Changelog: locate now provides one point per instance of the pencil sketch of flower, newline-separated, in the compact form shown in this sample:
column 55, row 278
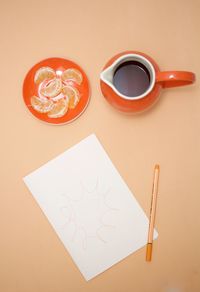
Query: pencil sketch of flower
column 86, row 214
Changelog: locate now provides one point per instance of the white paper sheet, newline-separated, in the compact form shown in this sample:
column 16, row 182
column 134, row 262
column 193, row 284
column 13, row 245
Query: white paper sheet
column 90, row 207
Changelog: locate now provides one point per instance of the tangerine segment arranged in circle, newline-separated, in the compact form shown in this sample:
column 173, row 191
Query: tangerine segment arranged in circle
column 59, row 109
column 72, row 94
column 52, row 88
column 72, row 74
column 41, row 105
column 44, row 73
column 56, row 91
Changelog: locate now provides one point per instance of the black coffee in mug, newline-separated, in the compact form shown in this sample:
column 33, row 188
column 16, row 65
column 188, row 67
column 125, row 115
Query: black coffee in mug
column 131, row 78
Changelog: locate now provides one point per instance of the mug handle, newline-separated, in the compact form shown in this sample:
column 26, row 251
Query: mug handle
column 175, row 78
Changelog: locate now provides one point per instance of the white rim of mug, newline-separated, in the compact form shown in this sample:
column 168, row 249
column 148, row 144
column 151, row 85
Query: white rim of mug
column 131, row 57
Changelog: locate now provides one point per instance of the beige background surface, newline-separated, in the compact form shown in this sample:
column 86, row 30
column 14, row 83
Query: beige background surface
column 90, row 32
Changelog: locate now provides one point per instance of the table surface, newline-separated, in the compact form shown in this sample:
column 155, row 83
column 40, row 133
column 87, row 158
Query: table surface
column 89, row 33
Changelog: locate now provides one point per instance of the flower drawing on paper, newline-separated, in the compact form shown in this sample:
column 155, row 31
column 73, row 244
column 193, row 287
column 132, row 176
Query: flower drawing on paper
column 86, row 215
column 57, row 91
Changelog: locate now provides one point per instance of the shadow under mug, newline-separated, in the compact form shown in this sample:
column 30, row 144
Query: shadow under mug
column 132, row 81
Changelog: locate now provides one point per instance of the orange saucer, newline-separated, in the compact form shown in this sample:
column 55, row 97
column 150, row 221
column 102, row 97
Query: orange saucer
column 56, row 91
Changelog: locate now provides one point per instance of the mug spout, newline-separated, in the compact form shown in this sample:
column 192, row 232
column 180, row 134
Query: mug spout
column 107, row 76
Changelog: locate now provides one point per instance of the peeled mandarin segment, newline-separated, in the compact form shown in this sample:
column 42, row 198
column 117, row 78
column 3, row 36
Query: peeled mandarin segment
column 52, row 89
column 59, row 109
column 73, row 95
column 41, row 106
column 72, row 74
column 44, row 73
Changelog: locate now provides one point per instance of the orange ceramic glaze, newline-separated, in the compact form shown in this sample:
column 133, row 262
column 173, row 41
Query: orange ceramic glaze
column 44, row 91
column 175, row 78
column 159, row 80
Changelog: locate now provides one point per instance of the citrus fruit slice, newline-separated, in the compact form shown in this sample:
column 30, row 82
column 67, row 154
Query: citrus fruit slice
column 44, row 73
column 52, row 88
column 72, row 74
column 59, row 109
column 41, row 106
column 72, row 94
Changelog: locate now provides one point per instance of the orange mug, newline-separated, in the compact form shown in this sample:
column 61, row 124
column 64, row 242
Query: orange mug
column 132, row 81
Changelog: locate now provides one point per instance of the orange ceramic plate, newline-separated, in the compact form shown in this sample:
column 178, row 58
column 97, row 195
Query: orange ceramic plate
column 56, row 91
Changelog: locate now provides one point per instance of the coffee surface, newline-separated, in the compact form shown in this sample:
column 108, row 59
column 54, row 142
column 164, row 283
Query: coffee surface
column 131, row 78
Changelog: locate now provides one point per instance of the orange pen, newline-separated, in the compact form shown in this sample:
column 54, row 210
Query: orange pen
column 152, row 213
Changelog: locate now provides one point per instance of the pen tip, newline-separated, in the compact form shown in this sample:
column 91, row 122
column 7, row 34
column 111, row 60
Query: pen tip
column 157, row 166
